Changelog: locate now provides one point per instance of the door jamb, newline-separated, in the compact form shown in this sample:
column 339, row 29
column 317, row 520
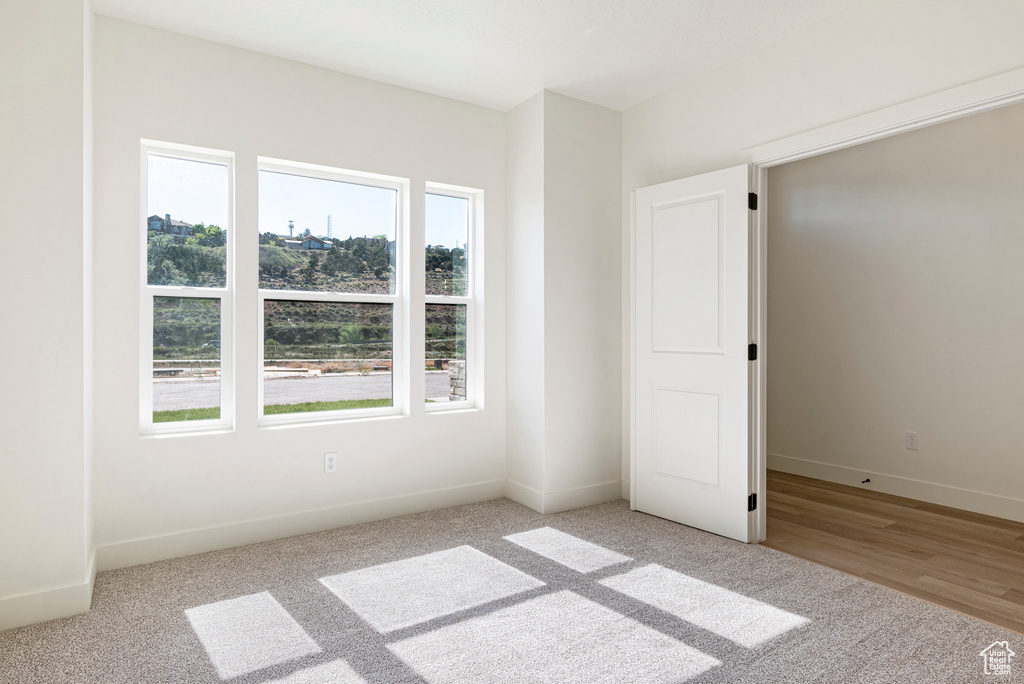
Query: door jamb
column 758, row 371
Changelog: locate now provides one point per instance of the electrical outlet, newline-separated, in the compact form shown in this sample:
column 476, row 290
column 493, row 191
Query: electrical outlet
column 331, row 462
column 913, row 441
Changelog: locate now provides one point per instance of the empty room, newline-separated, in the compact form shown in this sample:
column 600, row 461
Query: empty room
column 359, row 342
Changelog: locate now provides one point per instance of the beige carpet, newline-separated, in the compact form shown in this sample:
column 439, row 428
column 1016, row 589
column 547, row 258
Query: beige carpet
column 494, row 592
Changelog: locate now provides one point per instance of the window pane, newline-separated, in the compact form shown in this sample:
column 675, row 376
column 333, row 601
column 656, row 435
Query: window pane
column 446, row 371
column 186, row 359
column 447, row 236
column 326, row 236
column 326, row 356
column 187, row 224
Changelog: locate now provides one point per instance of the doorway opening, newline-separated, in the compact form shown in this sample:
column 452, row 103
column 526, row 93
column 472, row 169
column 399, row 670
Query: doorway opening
column 893, row 280
column 663, row 459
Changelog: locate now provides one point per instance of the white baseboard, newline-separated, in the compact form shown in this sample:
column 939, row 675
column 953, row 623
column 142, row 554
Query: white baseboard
column 565, row 499
column 152, row 549
column 524, row 495
column 945, row 495
column 625, row 490
column 49, row 604
column 578, row 497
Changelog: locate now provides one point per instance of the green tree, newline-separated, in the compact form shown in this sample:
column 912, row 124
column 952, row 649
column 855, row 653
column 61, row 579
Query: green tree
column 350, row 333
column 308, row 271
column 215, row 237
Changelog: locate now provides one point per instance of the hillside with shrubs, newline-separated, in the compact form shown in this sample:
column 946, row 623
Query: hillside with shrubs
column 188, row 328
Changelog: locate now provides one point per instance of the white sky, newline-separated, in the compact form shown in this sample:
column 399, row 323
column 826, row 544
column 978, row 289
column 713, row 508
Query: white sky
column 193, row 192
column 447, row 220
column 196, row 192
column 356, row 210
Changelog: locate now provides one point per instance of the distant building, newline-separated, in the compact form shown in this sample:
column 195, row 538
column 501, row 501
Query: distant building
column 308, row 242
column 170, row 226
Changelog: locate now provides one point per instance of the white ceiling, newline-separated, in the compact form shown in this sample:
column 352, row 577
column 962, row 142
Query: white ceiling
column 495, row 53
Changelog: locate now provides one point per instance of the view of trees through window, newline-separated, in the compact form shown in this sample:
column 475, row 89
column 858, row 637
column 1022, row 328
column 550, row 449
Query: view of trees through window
column 355, row 264
column 447, row 289
column 327, row 238
column 446, row 258
column 445, row 349
column 186, row 246
column 186, row 359
column 188, row 205
column 328, row 279
column 324, row 356
column 322, row 235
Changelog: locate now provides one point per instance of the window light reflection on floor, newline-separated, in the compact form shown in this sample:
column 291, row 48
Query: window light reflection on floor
column 414, row 590
column 745, row 621
column 565, row 549
column 334, row 672
column 249, row 633
column 554, row 637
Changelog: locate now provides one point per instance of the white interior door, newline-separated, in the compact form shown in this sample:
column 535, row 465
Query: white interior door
column 691, row 376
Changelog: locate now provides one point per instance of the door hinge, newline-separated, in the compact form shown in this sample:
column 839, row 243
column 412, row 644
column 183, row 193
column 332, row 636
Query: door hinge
column 752, row 502
column 752, row 200
column 751, row 352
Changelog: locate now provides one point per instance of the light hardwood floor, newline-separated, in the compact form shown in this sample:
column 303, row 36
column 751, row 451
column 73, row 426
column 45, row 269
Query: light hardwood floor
column 965, row 561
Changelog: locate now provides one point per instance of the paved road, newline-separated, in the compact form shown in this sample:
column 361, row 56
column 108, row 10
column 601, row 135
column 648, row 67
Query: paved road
column 173, row 395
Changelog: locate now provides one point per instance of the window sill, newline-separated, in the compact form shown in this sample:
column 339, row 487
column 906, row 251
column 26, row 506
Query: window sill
column 449, row 408
column 189, row 431
column 326, row 418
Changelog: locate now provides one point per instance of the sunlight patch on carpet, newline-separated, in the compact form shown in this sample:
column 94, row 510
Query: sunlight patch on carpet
column 745, row 621
column 249, row 633
column 334, row 672
column 414, row 590
column 551, row 638
column 572, row 552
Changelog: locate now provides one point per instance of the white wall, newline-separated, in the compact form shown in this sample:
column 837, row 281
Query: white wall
column 168, row 496
column 526, row 348
column 45, row 543
column 895, row 283
column 876, row 54
column 564, row 356
column 582, row 389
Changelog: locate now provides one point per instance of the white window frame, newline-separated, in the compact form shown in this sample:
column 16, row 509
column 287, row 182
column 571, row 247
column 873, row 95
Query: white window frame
column 225, row 294
column 399, row 301
column 473, row 299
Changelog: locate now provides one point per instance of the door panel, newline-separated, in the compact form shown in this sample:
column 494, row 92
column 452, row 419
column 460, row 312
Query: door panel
column 686, row 246
column 686, row 440
column 691, row 296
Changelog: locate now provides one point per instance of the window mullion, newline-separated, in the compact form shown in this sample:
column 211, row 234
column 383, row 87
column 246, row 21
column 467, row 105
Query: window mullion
column 447, row 299
column 341, row 297
column 187, row 292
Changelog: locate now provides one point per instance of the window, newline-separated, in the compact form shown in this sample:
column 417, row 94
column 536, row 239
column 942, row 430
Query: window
column 333, row 298
column 186, row 289
column 330, row 292
column 451, row 298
